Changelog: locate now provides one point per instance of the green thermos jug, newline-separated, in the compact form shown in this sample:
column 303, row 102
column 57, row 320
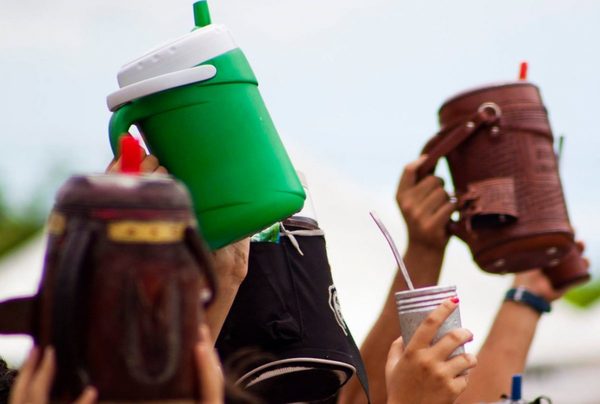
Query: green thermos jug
column 197, row 105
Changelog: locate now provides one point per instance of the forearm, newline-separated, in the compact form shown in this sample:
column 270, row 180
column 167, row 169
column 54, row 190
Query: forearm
column 217, row 312
column 424, row 266
column 503, row 353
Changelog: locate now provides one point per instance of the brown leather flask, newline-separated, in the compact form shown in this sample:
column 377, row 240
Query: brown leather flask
column 499, row 147
column 121, row 295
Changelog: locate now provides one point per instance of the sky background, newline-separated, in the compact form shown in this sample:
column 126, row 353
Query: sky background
column 353, row 87
column 355, row 84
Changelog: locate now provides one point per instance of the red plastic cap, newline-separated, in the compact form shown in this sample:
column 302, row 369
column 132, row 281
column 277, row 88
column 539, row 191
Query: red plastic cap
column 131, row 155
column 523, row 71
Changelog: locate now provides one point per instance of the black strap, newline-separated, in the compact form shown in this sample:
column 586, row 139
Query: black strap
column 68, row 312
column 361, row 372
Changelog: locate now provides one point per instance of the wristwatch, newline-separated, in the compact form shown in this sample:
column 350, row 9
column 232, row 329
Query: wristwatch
column 522, row 295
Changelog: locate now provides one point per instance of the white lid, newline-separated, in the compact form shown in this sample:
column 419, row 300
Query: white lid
column 160, row 83
column 187, row 51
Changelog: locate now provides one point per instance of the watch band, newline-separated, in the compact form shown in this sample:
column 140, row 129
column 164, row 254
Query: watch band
column 522, row 295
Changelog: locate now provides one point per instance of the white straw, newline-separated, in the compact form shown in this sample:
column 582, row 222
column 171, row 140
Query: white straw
column 397, row 255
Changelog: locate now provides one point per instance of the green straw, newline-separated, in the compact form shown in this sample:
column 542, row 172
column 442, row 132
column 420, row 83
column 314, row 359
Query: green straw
column 201, row 14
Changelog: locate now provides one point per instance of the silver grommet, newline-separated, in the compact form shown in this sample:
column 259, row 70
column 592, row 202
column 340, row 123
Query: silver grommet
column 492, row 108
column 554, row 263
column 499, row 263
column 470, row 125
column 552, row 250
column 495, row 130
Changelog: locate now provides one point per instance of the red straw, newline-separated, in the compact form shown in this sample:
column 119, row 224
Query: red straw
column 523, row 71
column 131, row 155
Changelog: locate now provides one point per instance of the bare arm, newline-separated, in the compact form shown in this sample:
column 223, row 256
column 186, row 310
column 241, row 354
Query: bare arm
column 231, row 267
column 426, row 211
column 386, row 329
column 504, row 352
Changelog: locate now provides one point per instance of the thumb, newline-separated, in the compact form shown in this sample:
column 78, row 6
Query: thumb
column 394, row 355
column 209, row 370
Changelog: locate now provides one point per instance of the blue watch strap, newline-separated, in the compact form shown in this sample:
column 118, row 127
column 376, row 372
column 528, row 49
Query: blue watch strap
column 522, row 295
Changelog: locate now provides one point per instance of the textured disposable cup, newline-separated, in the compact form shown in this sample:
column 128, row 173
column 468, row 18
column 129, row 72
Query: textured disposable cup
column 415, row 305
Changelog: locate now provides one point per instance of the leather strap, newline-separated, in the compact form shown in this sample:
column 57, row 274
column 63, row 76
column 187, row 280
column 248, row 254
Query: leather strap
column 520, row 116
column 448, row 139
column 493, row 199
column 17, row 316
column 571, row 269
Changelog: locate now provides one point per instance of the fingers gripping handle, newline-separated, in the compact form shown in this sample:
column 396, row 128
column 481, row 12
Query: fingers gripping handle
column 449, row 139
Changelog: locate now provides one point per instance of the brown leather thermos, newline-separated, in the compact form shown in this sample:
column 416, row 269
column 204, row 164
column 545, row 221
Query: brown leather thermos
column 125, row 280
column 499, row 147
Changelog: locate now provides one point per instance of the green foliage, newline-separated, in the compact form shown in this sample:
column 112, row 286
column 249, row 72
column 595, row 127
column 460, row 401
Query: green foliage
column 586, row 295
column 21, row 221
column 17, row 225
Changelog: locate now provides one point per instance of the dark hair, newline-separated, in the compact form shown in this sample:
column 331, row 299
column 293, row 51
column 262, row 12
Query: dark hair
column 7, row 377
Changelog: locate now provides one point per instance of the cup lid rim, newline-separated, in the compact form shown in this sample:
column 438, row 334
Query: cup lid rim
column 424, row 291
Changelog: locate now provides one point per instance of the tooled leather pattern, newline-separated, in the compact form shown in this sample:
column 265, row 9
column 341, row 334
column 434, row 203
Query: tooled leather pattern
column 529, row 159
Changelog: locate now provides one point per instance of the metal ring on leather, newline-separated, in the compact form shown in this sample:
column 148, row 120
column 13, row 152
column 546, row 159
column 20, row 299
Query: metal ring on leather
column 486, row 107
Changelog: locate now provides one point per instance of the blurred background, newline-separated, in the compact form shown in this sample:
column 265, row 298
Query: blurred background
column 353, row 87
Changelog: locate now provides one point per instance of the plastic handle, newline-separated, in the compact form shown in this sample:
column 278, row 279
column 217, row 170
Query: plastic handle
column 119, row 125
column 160, row 83
column 128, row 114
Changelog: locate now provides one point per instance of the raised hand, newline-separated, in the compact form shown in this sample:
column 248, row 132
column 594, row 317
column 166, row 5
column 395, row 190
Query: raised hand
column 426, row 208
column 210, row 377
column 421, row 373
column 34, row 382
column 538, row 283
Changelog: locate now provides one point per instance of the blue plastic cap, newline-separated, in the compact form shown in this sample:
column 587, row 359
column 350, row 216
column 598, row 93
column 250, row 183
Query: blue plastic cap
column 517, row 381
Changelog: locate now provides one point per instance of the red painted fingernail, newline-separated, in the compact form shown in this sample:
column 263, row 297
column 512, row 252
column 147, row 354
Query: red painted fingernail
column 455, row 300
